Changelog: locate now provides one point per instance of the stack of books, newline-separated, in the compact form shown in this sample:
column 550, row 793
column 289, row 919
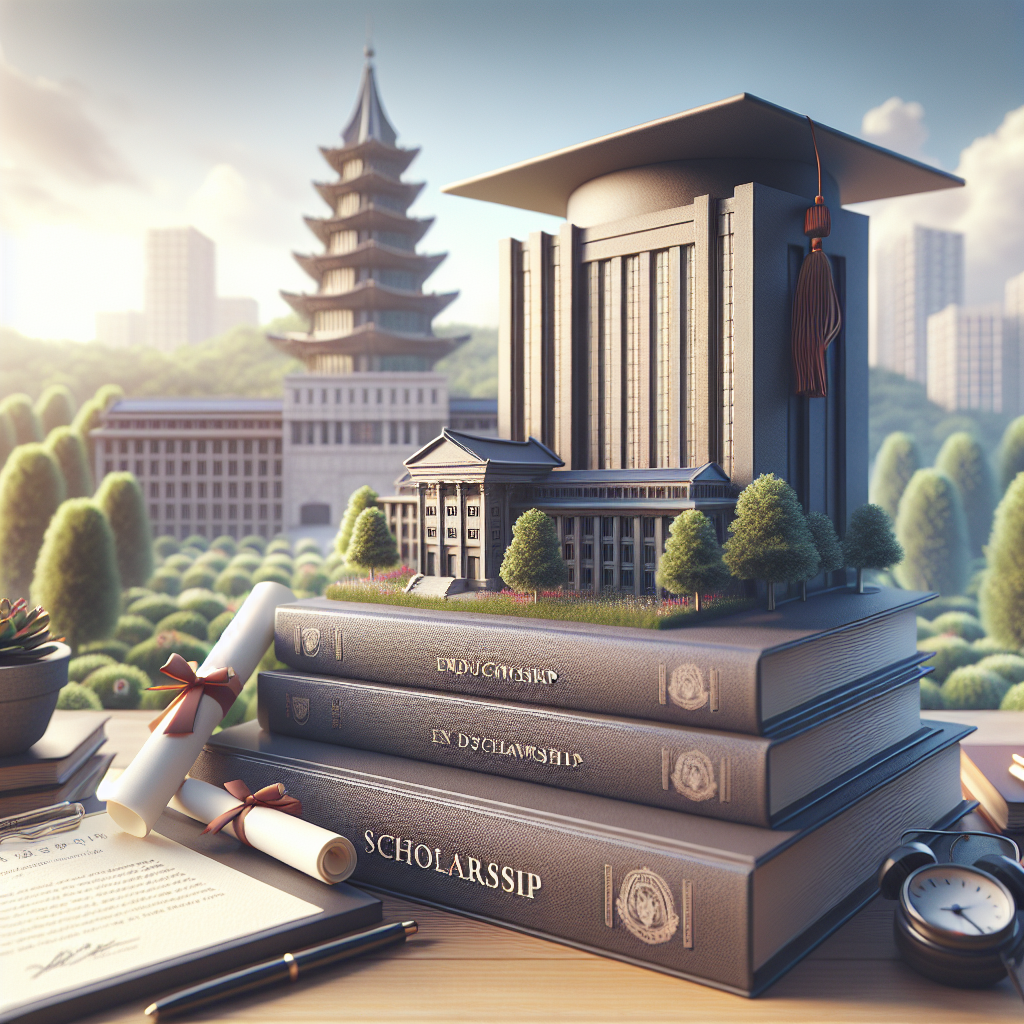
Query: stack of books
column 993, row 774
column 709, row 801
column 65, row 764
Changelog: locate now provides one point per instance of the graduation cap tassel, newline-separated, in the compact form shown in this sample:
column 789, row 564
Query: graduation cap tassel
column 816, row 314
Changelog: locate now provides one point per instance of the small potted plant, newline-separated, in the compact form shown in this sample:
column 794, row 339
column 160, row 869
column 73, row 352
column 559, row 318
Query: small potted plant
column 33, row 668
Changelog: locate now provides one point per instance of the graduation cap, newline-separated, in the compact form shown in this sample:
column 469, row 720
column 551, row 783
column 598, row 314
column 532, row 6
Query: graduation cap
column 709, row 151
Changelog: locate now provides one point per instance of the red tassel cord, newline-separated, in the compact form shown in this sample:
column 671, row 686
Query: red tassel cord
column 817, row 317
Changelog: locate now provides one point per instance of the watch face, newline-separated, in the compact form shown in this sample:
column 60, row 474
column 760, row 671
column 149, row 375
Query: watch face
column 959, row 901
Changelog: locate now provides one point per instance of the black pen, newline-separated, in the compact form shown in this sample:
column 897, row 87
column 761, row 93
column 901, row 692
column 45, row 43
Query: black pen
column 283, row 968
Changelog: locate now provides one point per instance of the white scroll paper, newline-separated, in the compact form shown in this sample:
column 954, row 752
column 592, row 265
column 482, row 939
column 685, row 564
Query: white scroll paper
column 300, row 844
column 141, row 793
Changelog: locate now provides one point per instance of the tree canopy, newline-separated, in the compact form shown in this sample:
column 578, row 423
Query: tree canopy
column 826, row 542
column 372, row 546
column 23, row 417
column 533, row 561
column 692, row 563
column 932, row 529
column 1011, row 453
column 897, row 461
column 120, row 498
column 964, row 461
column 360, row 500
column 55, row 408
column 68, row 449
column 1001, row 598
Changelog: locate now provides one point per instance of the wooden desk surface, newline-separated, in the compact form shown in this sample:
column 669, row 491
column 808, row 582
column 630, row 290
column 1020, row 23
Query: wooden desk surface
column 457, row 969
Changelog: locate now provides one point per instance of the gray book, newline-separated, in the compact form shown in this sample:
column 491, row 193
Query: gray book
column 724, row 904
column 740, row 673
column 757, row 780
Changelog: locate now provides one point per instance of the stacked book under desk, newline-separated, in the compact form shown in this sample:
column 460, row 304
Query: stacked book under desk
column 709, row 801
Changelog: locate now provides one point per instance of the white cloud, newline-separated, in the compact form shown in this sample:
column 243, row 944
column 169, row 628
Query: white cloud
column 896, row 125
column 989, row 210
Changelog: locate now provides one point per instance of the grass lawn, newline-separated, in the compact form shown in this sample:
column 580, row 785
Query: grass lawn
column 606, row 609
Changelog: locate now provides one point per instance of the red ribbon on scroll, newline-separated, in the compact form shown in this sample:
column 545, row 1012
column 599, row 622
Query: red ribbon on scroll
column 222, row 685
column 273, row 796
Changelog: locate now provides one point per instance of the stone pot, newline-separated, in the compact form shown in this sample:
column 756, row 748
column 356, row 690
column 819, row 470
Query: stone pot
column 28, row 695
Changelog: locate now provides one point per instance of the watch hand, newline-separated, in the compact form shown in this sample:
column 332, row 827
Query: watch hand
column 981, row 931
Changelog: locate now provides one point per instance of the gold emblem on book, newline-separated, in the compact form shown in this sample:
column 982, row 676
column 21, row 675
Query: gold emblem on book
column 310, row 641
column 694, row 776
column 646, row 907
column 687, row 688
column 300, row 710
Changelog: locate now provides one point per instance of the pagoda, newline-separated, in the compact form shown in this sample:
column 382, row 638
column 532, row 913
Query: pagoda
column 369, row 312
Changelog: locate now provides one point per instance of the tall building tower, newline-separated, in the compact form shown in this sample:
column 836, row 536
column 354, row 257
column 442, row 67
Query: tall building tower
column 180, row 304
column 369, row 397
column 918, row 273
column 969, row 366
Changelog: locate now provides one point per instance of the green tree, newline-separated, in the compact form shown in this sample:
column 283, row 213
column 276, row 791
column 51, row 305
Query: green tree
column 23, row 418
column 372, row 546
column 770, row 538
column 897, row 461
column 964, row 461
column 76, row 576
column 67, row 448
column 120, row 498
column 8, row 440
column 364, row 498
column 55, row 407
column 932, row 529
column 108, row 394
column 1011, row 453
column 826, row 543
column 869, row 542
column 692, row 563
column 534, row 558
column 31, row 489
column 87, row 419
column 1001, row 598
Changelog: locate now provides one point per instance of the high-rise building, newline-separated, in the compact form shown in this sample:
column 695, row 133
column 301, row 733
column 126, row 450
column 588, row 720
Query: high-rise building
column 968, row 364
column 369, row 397
column 181, row 291
column 236, row 311
column 917, row 273
column 1013, row 341
column 122, row 329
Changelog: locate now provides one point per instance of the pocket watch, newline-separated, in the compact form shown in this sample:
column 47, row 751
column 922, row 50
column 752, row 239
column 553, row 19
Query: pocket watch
column 957, row 919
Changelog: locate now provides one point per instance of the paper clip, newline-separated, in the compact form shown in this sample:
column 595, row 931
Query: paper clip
column 44, row 821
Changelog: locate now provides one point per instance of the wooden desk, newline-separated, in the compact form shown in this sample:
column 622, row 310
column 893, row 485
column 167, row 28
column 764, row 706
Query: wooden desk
column 456, row 969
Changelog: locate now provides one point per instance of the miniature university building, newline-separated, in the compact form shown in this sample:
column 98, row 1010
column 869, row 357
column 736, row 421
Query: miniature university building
column 369, row 397
column 645, row 350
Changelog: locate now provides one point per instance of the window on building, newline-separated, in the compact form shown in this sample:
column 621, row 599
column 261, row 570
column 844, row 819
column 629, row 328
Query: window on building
column 108, row 447
column 247, row 467
column 607, row 526
column 277, row 467
column 232, row 447
column 186, row 467
column 627, row 578
column 138, row 447
column 495, row 534
column 232, row 467
column 186, row 490
column 264, row 447
column 495, row 511
column 337, row 396
column 626, row 526
column 169, row 510
column 366, row 432
column 607, row 552
column 569, row 552
column 608, row 577
column 323, row 396
column 154, row 490
column 406, row 432
column 451, row 510
column 296, row 432
column 277, row 512
column 154, row 447
column 380, row 396
column 169, row 447
column 200, row 511
column 168, row 490
column 568, row 526
column 366, row 396
column 473, row 534
column 247, row 511
column 419, row 396
column 430, row 510
column 310, row 435
column 218, row 447
column 431, row 531
column 232, row 490
column 169, row 467
column 201, row 467
column 649, row 586
column 232, row 511
column 139, row 467
column 218, row 467
column 154, row 467
column 200, row 490
column 216, row 490
column 587, row 526
column 264, row 490
column 263, row 466
column 247, row 491
column 394, row 395
column 627, row 554
column 392, row 433
column 587, row 551
column 200, row 447
column 154, row 511
column 649, row 558
column 264, row 510
column 277, row 488
column 217, row 509
column 122, row 465
column 452, row 533
column 648, row 522
column 186, row 447
column 433, row 396
column 473, row 511
column 586, row 577
column 122, row 447
column 309, row 401
column 296, row 396
column 405, row 396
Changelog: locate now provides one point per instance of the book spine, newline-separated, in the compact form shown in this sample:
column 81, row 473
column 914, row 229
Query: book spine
column 636, row 900
column 712, row 774
column 692, row 684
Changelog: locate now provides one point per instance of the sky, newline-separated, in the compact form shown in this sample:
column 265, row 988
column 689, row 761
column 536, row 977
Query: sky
column 121, row 115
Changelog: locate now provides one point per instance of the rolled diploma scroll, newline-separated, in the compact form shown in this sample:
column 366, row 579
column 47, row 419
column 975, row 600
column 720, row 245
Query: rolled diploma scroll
column 141, row 793
column 297, row 843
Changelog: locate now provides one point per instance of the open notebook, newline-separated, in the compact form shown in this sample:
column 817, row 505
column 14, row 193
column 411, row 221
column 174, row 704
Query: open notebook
column 95, row 917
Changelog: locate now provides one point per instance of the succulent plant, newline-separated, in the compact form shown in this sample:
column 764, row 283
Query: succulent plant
column 24, row 632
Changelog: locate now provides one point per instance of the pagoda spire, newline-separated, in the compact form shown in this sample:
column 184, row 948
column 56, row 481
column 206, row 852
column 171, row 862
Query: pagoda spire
column 369, row 312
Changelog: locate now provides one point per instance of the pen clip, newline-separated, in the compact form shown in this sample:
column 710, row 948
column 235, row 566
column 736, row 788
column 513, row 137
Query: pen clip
column 43, row 821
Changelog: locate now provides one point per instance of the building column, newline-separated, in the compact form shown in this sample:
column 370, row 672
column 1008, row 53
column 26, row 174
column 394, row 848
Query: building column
column 638, row 555
column 460, row 495
column 577, row 546
column 659, row 538
column 421, row 561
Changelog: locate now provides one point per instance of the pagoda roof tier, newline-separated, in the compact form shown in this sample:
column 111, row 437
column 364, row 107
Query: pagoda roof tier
column 367, row 339
column 371, row 183
column 370, row 218
column 372, row 254
column 369, row 295
column 338, row 156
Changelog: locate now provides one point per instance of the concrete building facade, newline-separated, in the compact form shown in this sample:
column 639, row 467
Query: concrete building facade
column 970, row 364
column 917, row 273
column 124, row 329
column 208, row 466
column 235, row 311
column 181, row 289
